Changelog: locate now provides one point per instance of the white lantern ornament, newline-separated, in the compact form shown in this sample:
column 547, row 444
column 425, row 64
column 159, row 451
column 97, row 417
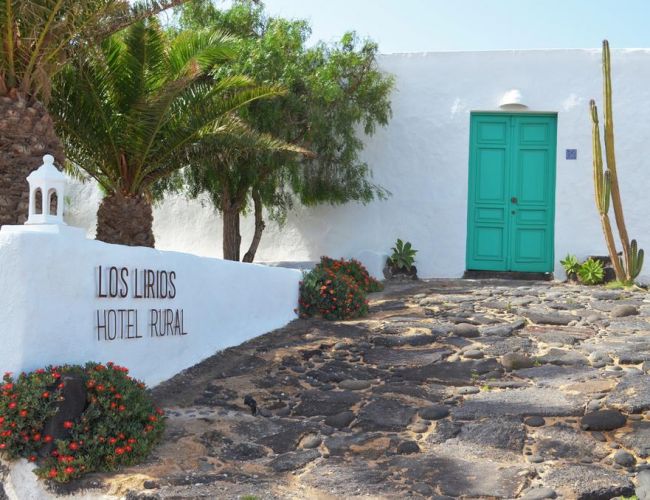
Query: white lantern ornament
column 47, row 186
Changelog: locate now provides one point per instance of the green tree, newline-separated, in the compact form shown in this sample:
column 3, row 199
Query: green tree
column 38, row 37
column 334, row 92
column 134, row 112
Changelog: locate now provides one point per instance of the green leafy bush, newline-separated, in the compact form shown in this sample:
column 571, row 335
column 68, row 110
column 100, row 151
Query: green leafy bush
column 403, row 256
column 119, row 426
column 355, row 270
column 336, row 289
column 591, row 272
column 571, row 266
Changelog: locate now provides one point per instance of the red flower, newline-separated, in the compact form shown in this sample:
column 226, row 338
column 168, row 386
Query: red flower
column 131, row 440
column 100, row 388
column 22, row 413
column 45, row 395
column 2, row 446
column 119, row 451
column 8, row 387
column 112, row 440
column 122, row 408
column 32, row 458
column 47, row 438
column 12, row 405
column 152, row 418
column 69, row 470
column 36, row 437
column 2, row 419
column 73, row 446
column 56, row 375
column 128, row 448
column 68, row 425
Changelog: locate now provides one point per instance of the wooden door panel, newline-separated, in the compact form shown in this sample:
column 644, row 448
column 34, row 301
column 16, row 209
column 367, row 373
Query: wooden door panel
column 511, row 192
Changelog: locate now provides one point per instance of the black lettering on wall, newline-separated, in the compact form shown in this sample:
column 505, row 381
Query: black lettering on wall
column 172, row 285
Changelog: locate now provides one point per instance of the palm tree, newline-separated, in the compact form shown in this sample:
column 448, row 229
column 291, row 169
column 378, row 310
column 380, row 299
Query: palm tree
column 38, row 37
column 134, row 113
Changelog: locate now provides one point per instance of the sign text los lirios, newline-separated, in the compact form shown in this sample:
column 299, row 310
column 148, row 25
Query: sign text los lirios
column 121, row 283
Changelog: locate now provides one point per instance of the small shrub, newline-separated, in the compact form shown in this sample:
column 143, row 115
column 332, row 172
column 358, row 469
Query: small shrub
column 336, row 289
column 591, row 272
column 331, row 296
column 571, row 266
column 354, row 269
column 403, row 256
column 119, row 426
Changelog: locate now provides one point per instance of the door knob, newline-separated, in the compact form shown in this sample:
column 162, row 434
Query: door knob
column 513, row 199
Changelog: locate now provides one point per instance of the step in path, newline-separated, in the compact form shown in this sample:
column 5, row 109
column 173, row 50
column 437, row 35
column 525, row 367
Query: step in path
column 450, row 388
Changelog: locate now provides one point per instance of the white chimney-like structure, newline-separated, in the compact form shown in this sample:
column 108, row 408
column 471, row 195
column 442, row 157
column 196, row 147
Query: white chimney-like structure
column 512, row 100
column 46, row 191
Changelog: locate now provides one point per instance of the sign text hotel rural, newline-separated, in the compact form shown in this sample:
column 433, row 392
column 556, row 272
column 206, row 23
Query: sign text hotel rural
column 133, row 283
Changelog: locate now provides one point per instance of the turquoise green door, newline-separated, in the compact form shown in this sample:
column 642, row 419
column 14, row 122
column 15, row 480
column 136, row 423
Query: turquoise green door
column 511, row 198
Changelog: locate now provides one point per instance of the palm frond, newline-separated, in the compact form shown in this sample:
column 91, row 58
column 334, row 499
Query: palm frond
column 39, row 36
column 134, row 110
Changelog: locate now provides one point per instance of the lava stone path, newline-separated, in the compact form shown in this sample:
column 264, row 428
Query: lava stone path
column 449, row 388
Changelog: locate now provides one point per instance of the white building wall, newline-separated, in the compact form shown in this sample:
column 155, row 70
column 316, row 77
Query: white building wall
column 422, row 158
column 53, row 303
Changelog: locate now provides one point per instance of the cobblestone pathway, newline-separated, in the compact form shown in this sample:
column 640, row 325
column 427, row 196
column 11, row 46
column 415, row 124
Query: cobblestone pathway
column 448, row 389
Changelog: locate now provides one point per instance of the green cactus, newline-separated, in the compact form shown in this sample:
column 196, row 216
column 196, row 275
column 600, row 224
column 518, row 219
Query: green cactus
column 606, row 185
column 636, row 259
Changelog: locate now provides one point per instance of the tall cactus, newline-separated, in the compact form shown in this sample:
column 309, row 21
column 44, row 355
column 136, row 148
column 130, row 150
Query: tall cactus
column 606, row 184
column 602, row 190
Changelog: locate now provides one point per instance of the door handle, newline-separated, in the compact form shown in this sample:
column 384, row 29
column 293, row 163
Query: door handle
column 513, row 199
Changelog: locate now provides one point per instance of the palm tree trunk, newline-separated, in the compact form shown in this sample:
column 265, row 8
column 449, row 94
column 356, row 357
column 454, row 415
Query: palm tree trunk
column 125, row 220
column 259, row 227
column 26, row 134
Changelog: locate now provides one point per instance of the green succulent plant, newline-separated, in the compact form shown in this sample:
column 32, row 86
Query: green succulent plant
column 571, row 265
column 591, row 272
column 403, row 256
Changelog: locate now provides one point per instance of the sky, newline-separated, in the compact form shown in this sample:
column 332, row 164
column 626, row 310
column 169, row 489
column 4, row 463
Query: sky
column 430, row 25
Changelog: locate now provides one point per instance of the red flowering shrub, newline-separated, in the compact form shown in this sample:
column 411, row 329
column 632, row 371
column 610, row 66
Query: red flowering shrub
column 119, row 426
column 331, row 295
column 355, row 270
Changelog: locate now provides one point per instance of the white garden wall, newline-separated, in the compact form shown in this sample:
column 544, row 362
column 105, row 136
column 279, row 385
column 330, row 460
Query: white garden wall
column 51, row 297
column 422, row 158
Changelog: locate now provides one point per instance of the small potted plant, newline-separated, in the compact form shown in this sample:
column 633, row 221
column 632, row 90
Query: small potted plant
column 400, row 263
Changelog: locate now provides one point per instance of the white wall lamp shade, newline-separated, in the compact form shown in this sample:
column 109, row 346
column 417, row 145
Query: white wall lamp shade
column 512, row 100
column 46, row 184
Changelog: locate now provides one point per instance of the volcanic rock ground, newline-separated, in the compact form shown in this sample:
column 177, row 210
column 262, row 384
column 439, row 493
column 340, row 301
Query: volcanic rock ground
column 449, row 388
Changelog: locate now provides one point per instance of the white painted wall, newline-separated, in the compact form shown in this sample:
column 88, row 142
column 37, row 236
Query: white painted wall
column 422, row 156
column 48, row 292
